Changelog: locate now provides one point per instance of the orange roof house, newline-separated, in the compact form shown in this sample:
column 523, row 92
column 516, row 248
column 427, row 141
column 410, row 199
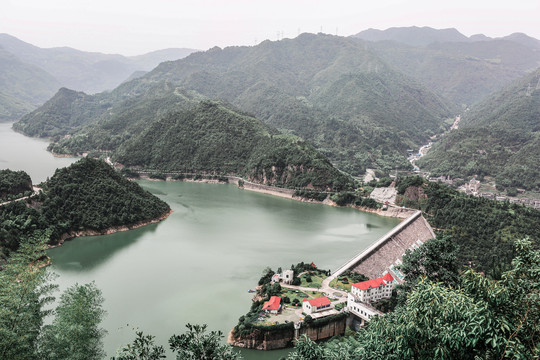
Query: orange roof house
column 273, row 305
column 313, row 305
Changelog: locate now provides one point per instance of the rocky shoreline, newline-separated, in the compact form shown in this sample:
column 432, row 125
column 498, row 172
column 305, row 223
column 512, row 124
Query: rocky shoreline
column 73, row 234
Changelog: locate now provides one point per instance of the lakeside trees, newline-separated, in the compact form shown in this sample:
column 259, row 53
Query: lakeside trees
column 14, row 184
column 25, row 290
column 482, row 318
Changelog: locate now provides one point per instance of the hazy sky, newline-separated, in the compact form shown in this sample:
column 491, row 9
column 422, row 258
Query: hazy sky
column 132, row 27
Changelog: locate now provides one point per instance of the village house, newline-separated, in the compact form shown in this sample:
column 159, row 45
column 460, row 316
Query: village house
column 315, row 305
column 272, row 306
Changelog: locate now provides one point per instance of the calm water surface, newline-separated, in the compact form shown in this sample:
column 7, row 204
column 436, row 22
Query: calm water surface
column 197, row 265
column 18, row 152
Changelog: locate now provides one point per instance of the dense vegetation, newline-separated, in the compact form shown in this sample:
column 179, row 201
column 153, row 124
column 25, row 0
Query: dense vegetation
column 326, row 89
column 14, row 184
column 479, row 319
column 60, row 114
column 500, row 137
column 483, row 229
column 214, row 138
column 88, row 195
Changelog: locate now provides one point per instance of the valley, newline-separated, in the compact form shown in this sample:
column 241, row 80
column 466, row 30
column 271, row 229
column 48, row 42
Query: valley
column 173, row 179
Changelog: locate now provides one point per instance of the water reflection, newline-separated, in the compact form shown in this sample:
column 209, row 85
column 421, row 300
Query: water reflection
column 87, row 253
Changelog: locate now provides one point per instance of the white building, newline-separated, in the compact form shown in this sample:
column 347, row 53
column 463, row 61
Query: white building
column 315, row 305
column 287, row 276
column 373, row 290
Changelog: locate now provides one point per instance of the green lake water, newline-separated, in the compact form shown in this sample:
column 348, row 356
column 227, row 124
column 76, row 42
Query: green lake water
column 197, row 265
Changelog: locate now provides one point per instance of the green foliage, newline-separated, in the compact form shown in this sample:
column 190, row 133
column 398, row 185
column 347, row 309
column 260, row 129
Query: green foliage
column 24, row 293
column 196, row 344
column 483, row 229
column 14, row 184
column 435, row 260
column 142, row 348
column 266, row 276
column 75, row 333
column 487, row 319
column 213, row 138
column 329, row 90
column 404, row 182
column 500, row 137
column 353, row 277
column 88, row 195
column 348, row 198
column 309, row 194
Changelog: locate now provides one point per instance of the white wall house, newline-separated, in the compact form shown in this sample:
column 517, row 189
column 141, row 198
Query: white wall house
column 315, row 305
column 374, row 290
column 287, row 276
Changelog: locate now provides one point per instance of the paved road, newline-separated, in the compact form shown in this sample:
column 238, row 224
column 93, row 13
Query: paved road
column 36, row 191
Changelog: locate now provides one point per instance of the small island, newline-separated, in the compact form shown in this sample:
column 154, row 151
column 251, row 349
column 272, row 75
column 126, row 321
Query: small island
column 87, row 198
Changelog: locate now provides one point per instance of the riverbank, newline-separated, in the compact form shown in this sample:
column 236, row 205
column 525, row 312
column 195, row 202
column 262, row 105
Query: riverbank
column 391, row 211
column 73, row 234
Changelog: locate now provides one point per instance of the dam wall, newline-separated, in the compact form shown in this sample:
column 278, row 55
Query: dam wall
column 386, row 253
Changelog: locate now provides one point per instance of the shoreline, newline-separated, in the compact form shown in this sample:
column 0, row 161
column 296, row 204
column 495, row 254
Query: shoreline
column 81, row 233
column 393, row 211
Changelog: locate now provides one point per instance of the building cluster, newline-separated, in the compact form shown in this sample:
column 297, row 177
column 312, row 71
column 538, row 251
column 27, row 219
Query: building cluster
column 473, row 188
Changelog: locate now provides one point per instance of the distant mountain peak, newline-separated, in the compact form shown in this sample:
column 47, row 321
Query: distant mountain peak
column 423, row 36
column 413, row 35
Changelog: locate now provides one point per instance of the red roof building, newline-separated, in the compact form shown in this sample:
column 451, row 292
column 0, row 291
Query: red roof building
column 373, row 290
column 313, row 305
column 273, row 305
column 369, row 284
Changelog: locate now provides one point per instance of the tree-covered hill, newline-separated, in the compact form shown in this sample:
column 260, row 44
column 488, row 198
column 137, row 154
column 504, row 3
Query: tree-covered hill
column 88, row 195
column 499, row 137
column 14, row 184
column 460, row 69
column 122, row 120
column 214, row 138
column 66, row 110
column 329, row 90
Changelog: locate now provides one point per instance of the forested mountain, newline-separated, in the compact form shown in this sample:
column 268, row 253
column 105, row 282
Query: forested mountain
column 326, row 89
column 30, row 75
column 64, row 111
column 88, row 195
column 499, row 137
column 464, row 71
column 22, row 86
column 214, row 138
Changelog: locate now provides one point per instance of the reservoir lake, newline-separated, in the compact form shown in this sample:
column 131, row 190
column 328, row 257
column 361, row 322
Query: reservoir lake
column 197, row 265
